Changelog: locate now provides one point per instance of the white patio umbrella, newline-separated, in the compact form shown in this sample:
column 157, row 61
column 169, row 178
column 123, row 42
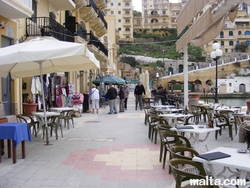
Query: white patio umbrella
column 45, row 55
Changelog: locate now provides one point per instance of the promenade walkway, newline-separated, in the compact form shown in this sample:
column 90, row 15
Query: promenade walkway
column 102, row 151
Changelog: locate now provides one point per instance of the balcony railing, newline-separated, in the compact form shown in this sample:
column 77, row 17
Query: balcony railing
column 97, row 43
column 100, row 15
column 46, row 26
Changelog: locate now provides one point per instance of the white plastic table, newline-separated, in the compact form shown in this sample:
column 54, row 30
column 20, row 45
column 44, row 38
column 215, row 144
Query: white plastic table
column 237, row 161
column 196, row 133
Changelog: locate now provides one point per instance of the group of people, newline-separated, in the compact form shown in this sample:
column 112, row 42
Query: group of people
column 111, row 95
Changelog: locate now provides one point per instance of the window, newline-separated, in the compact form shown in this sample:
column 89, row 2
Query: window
column 119, row 12
column 112, row 12
column 164, row 12
column 119, row 20
column 226, row 50
column 119, row 4
column 119, row 29
column 221, row 34
column 231, row 33
column 230, row 84
column 112, row 4
column 145, row 12
column 127, row 12
column 231, row 43
column 127, row 29
column 232, row 50
column 156, row 6
column 146, row 20
column 164, row 20
column 138, row 22
column 127, row 20
column 222, row 43
column 239, row 32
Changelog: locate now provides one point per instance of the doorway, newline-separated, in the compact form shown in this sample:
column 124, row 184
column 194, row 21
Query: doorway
column 6, row 82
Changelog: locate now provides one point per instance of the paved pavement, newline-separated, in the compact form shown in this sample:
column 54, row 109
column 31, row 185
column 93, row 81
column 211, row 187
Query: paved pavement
column 102, row 151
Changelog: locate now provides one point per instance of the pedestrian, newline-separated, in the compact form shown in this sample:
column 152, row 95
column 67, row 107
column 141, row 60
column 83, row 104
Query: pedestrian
column 126, row 95
column 121, row 96
column 95, row 99
column 139, row 90
column 160, row 87
column 112, row 94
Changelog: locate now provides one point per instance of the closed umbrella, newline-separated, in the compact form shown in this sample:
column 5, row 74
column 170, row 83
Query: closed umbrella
column 45, row 55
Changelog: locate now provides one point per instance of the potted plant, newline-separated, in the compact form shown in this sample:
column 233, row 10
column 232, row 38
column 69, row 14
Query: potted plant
column 29, row 106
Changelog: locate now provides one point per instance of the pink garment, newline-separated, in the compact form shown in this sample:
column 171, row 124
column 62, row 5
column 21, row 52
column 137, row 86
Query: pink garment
column 59, row 101
column 81, row 97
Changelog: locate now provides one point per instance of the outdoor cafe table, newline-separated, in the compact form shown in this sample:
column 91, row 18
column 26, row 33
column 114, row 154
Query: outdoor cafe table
column 17, row 132
column 56, row 109
column 163, row 106
column 237, row 160
column 40, row 117
column 221, row 109
column 169, row 110
column 173, row 117
column 195, row 134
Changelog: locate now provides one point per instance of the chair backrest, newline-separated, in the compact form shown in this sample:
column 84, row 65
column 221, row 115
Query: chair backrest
column 21, row 119
column 171, row 137
column 181, row 152
column 180, row 175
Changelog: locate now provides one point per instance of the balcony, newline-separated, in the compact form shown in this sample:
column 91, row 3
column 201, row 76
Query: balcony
column 16, row 8
column 101, row 4
column 126, row 15
column 63, row 4
column 89, row 12
column 127, row 7
column 97, row 47
column 126, row 0
column 126, row 24
column 99, row 24
column 46, row 26
column 243, row 37
column 80, row 4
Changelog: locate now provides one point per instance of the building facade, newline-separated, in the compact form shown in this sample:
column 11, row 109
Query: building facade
column 80, row 21
column 123, row 12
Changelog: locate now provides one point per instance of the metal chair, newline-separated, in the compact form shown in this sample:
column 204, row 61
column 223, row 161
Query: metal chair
column 67, row 116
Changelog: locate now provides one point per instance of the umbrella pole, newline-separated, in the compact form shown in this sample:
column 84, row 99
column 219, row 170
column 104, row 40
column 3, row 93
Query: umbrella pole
column 44, row 106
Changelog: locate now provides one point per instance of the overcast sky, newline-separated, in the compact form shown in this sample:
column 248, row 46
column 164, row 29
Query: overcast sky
column 137, row 4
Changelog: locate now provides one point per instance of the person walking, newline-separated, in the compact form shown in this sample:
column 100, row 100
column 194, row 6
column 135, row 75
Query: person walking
column 126, row 95
column 95, row 98
column 112, row 94
column 121, row 96
column 139, row 90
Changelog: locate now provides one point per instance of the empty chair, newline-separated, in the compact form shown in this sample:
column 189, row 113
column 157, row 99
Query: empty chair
column 29, row 120
column 182, row 175
column 222, row 120
column 67, row 116
column 54, row 122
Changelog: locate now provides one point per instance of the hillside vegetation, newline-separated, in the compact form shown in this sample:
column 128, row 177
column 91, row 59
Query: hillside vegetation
column 157, row 43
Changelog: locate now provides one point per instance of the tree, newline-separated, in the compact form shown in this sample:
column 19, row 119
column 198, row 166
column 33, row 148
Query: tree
column 242, row 47
column 136, row 13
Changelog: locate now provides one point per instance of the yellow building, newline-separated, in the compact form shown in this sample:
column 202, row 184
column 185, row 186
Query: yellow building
column 160, row 13
column 123, row 12
column 81, row 21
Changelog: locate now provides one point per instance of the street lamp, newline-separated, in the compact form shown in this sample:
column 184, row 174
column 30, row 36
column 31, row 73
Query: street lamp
column 215, row 55
column 157, row 77
column 163, row 51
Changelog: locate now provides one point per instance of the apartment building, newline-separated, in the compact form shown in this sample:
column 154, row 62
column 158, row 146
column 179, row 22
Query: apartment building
column 160, row 13
column 123, row 12
column 233, row 33
column 81, row 21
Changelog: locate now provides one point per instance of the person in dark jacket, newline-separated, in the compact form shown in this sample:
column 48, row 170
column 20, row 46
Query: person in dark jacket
column 122, row 97
column 139, row 90
column 111, row 95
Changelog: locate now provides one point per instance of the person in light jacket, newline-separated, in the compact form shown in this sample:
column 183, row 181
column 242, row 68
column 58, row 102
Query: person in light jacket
column 95, row 98
column 126, row 95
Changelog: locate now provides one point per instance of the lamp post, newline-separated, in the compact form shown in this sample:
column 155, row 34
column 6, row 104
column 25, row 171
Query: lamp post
column 215, row 55
column 157, row 78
